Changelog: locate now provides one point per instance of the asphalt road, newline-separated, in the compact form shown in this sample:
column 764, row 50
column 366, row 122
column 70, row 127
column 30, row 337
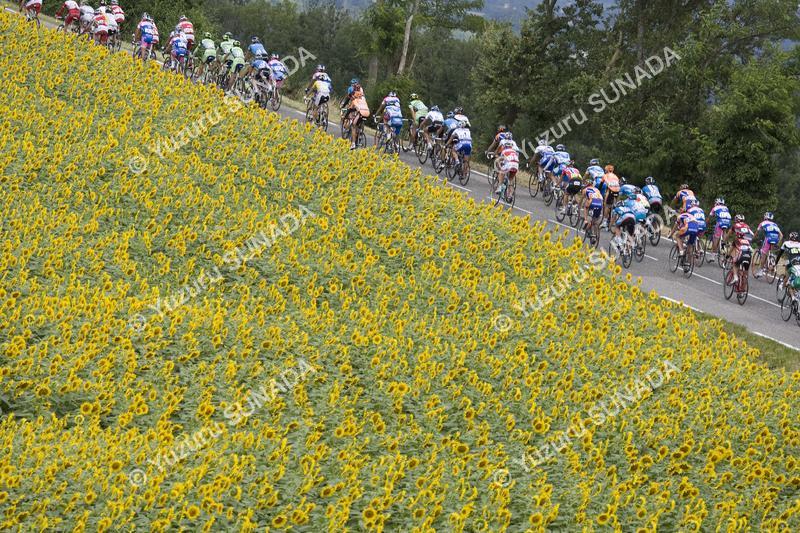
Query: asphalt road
column 702, row 292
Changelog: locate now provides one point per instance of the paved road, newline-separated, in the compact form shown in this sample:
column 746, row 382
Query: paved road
column 702, row 292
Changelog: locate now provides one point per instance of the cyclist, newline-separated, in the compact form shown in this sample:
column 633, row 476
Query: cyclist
column 459, row 115
column 571, row 183
column 259, row 69
column 87, row 17
column 595, row 172
column 225, row 46
column 791, row 247
column 322, row 85
column 278, row 71
column 234, row 60
column 508, row 160
column 623, row 219
column 206, row 53
column 682, row 198
column 650, row 190
column 699, row 215
column 432, row 122
column 542, row 155
column 357, row 111
column 772, row 236
column 178, row 47
column 741, row 254
column 685, row 227
column 460, row 142
column 111, row 22
column 418, row 111
column 187, row 28
column 146, row 34
column 71, row 12
column 501, row 135
column 118, row 14
column 609, row 186
column 793, row 276
column 558, row 162
column 722, row 221
column 627, row 190
column 446, row 130
column 100, row 26
column 34, row 6
column 392, row 113
column 256, row 49
column 344, row 104
column 591, row 201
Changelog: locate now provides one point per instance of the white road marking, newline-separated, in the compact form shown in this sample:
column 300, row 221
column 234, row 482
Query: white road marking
column 775, row 340
column 651, row 257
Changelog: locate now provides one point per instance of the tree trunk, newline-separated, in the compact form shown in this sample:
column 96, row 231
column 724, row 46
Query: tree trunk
column 640, row 30
column 372, row 77
column 407, row 37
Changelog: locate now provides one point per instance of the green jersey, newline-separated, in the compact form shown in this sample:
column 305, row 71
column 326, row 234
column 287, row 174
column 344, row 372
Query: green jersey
column 225, row 46
column 236, row 53
column 418, row 108
column 207, row 47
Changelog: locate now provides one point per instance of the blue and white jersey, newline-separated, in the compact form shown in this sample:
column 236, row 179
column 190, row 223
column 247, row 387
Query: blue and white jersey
column 628, row 190
column 259, row 64
column 624, row 213
column 722, row 215
column 700, row 216
column 652, row 193
column 639, row 211
column 772, row 232
column 450, row 124
column 595, row 171
column 562, row 158
column 257, row 49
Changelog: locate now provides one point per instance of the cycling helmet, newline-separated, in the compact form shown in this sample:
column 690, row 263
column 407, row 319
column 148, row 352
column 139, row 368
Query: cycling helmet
column 459, row 110
column 353, row 81
column 768, row 215
column 435, row 108
column 450, row 114
column 236, row 43
column 719, row 201
column 793, row 236
column 207, row 35
column 594, row 162
column 255, row 39
column 560, row 148
column 114, row 2
column 501, row 128
column 694, row 203
column 414, row 96
column 649, row 180
column 320, row 68
column 684, row 186
column 227, row 35
column 393, row 94
column 462, row 124
column 542, row 142
column 509, row 135
column 739, row 218
column 276, row 56
column 183, row 17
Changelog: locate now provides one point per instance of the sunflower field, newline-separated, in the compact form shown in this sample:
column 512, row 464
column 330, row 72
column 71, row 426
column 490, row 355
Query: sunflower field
column 214, row 318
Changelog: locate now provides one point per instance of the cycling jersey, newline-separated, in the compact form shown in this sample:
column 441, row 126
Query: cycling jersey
column 610, row 184
column 259, row 64
column 118, row 14
column 418, row 108
column 772, row 233
column 628, row 190
column 684, row 196
column 509, row 159
column 435, row 117
column 279, row 70
column 722, row 216
column 652, row 193
column 187, row 28
column 207, row 48
column 322, row 87
column 700, row 216
column 100, row 23
column 791, row 249
column 464, row 141
column 562, row 158
column 148, row 31
column 643, row 201
column 257, row 49
column 625, row 218
column 596, row 173
column 638, row 210
column 687, row 227
column 225, row 47
column 742, row 232
column 464, row 119
column 73, row 11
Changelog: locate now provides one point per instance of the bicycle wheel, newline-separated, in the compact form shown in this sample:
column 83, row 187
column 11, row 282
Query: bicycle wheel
column 464, row 172
column 361, row 140
column 323, row 117
column 756, row 264
column 654, row 229
column 787, row 309
column 781, row 290
column 727, row 283
column 641, row 244
column 309, row 116
column 275, row 100
column 60, row 27
column 499, row 194
column 511, row 192
column 743, row 290
column 421, row 149
column 561, row 211
column 533, row 185
column 627, row 254
column 574, row 214
column 772, row 269
column 547, row 192
column 674, row 258
column 722, row 254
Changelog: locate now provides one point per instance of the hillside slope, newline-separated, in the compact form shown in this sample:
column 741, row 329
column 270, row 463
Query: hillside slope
column 256, row 326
